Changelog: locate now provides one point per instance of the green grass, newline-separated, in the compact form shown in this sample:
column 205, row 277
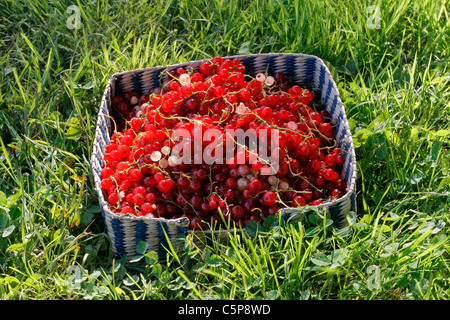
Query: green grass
column 394, row 82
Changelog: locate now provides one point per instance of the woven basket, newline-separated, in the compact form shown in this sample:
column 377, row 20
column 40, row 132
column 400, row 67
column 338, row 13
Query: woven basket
column 126, row 231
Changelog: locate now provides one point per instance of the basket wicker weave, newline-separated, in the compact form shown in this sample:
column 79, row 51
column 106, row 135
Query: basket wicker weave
column 126, row 231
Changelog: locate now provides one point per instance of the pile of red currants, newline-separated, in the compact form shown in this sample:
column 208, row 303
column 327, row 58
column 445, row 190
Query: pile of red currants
column 143, row 176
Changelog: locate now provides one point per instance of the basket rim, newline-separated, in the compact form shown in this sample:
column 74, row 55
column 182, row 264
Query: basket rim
column 122, row 73
column 184, row 221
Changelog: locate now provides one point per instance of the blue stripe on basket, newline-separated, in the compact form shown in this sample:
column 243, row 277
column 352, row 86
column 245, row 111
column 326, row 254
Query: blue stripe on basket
column 181, row 230
column 339, row 145
column 108, row 102
column 208, row 240
column 339, row 122
column 196, row 67
column 99, row 157
column 108, row 129
column 333, row 105
column 310, row 66
column 102, row 209
column 161, row 227
column 118, row 233
column 136, row 81
column 346, row 155
column 337, row 215
column 286, row 216
column 248, row 64
column 353, row 202
column 269, row 65
column 101, row 145
column 105, row 134
column 334, row 210
column 321, row 79
column 290, row 66
column 327, row 95
column 98, row 172
column 106, row 111
column 118, row 83
column 141, row 230
column 156, row 77
column 100, row 161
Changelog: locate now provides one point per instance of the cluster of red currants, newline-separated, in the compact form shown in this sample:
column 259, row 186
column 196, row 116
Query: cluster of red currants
column 142, row 178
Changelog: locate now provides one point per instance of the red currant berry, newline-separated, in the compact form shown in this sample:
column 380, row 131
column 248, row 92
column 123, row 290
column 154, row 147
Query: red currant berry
column 269, row 198
column 195, row 185
column 298, row 201
column 113, row 198
column 146, row 208
column 341, row 184
column 200, row 174
column 255, row 186
column 340, row 159
column 196, row 224
column 328, row 174
column 135, row 174
column 196, row 201
column 330, row 159
column 325, row 128
column 336, row 193
column 138, row 199
column 151, row 198
column 231, row 183
column 165, row 185
column 106, row 172
column 217, row 60
column 139, row 190
column 245, row 95
column 304, row 149
column 237, row 212
column 128, row 210
column 106, row 184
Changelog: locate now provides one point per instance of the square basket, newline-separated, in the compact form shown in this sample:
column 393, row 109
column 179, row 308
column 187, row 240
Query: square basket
column 126, row 231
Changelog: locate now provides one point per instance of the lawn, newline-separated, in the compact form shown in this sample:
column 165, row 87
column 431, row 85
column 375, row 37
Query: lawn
column 391, row 62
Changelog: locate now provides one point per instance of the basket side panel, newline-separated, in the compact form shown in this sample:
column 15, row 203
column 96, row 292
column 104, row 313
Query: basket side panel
column 325, row 86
